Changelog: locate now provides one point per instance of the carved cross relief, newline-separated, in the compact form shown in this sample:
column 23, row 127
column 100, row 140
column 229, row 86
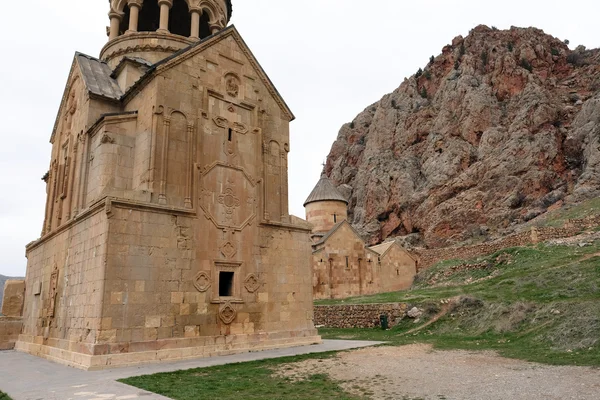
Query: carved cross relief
column 230, row 142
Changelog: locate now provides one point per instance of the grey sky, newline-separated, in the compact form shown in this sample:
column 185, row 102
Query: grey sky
column 329, row 59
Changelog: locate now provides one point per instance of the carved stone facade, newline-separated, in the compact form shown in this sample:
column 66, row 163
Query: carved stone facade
column 343, row 266
column 167, row 212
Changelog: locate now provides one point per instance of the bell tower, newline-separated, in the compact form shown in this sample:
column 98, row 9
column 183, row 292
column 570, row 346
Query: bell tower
column 152, row 30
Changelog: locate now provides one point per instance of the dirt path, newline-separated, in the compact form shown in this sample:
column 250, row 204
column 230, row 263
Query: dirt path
column 417, row 372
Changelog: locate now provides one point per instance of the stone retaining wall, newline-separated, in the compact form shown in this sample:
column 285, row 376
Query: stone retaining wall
column 358, row 315
column 428, row 258
column 10, row 328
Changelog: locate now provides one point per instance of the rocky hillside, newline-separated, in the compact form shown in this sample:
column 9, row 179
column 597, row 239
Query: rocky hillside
column 495, row 131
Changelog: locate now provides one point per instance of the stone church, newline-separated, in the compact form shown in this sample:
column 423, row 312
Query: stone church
column 342, row 264
column 167, row 201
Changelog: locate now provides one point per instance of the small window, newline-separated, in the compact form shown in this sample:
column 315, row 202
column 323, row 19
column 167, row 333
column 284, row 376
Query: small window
column 347, row 262
column 335, row 218
column 226, row 284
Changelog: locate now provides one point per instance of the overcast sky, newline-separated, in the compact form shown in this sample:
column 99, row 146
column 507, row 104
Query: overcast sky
column 329, row 59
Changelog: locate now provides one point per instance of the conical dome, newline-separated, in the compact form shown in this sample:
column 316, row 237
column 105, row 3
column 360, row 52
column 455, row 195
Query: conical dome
column 325, row 191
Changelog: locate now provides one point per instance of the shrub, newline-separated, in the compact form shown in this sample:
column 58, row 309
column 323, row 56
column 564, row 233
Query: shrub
column 352, row 125
column 456, row 64
column 424, row 93
column 485, row 58
column 463, row 50
column 427, row 75
column 393, row 103
column 510, row 46
column 576, row 59
column 525, row 64
column 567, row 42
column 431, row 60
column 419, row 73
column 494, row 28
column 555, row 51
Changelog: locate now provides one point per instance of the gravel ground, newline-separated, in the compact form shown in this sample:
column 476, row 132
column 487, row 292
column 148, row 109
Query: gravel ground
column 417, row 372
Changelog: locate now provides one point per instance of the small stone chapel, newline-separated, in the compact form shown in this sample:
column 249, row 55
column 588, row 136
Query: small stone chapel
column 342, row 263
column 167, row 201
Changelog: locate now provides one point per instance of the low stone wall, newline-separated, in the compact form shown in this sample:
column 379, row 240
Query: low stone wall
column 428, row 258
column 358, row 315
column 10, row 328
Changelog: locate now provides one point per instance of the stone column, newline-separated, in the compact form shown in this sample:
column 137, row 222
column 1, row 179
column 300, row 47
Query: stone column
column 115, row 22
column 214, row 28
column 134, row 14
column 195, row 31
column 165, row 7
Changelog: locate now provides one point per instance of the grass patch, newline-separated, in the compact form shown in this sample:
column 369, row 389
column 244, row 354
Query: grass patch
column 4, row 396
column 540, row 274
column 534, row 303
column 558, row 218
column 251, row 380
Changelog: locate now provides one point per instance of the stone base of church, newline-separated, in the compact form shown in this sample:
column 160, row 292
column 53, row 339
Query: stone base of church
column 97, row 357
column 10, row 327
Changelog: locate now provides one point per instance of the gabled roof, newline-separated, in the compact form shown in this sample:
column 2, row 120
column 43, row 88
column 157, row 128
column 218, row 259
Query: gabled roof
column 335, row 228
column 325, row 191
column 96, row 76
column 196, row 48
column 383, row 248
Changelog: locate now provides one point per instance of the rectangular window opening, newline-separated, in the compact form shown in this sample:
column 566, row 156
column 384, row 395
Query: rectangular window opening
column 347, row 262
column 230, row 134
column 226, row 284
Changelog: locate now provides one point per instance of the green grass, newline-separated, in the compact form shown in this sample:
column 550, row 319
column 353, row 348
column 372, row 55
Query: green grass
column 538, row 304
column 542, row 274
column 251, row 381
column 4, row 396
column 559, row 217
column 535, row 303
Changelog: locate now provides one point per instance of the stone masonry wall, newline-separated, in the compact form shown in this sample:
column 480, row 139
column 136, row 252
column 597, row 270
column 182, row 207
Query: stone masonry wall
column 358, row 315
column 10, row 328
column 428, row 258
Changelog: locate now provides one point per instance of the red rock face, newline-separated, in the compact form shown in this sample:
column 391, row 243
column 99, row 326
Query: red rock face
column 499, row 128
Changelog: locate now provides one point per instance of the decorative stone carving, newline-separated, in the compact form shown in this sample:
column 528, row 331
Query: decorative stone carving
column 231, row 209
column 228, row 250
column 227, row 313
column 202, row 282
column 229, row 200
column 221, row 122
column 232, row 85
column 107, row 139
column 252, row 283
column 53, row 290
column 240, row 128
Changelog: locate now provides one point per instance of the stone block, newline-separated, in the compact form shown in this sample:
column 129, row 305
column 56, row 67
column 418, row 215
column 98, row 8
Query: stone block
column 14, row 296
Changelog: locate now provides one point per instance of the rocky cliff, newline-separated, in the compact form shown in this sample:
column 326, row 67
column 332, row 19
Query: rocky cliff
column 499, row 128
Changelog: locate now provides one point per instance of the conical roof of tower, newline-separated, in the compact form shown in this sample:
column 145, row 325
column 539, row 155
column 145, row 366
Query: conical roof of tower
column 325, row 191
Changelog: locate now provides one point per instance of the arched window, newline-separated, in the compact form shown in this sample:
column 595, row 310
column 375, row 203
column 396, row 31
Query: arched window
column 204, row 25
column 180, row 19
column 149, row 20
column 125, row 21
